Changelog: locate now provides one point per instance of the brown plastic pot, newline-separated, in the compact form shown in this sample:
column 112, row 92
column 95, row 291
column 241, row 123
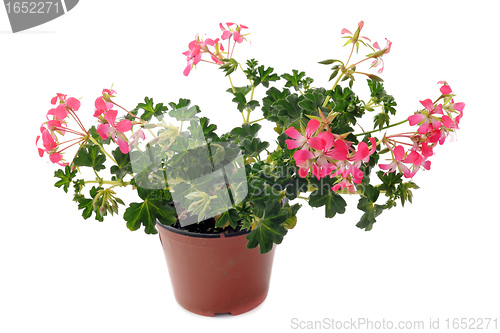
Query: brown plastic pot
column 215, row 273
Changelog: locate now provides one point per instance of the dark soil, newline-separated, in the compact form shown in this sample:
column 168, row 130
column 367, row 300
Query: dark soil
column 206, row 227
column 203, row 227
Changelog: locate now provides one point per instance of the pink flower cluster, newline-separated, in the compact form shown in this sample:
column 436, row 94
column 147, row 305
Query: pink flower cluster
column 57, row 124
column 379, row 52
column 436, row 122
column 327, row 154
column 213, row 47
column 107, row 117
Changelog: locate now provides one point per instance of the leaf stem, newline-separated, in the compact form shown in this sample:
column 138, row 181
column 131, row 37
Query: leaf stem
column 107, row 182
column 255, row 121
column 383, row 128
column 102, row 149
column 327, row 99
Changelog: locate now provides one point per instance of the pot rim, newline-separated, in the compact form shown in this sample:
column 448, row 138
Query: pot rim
column 199, row 235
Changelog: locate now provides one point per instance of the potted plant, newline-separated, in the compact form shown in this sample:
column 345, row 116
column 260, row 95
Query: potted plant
column 222, row 201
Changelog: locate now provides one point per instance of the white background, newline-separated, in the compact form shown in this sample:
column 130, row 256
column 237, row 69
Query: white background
column 436, row 258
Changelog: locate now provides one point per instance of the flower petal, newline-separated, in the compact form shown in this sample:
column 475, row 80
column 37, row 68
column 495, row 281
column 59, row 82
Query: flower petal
column 103, row 131
column 340, row 151
column 73, row 103
column 292, row 144
column 122, row 144
column 345, row 31
column 458, row 106
column 187, row 70
column 294, row 134
column 312, row 126
column 362, row 152
column 226, row 34
column 55, row 157
column 124, row 126
column 316, row 143
column 111, row 117
column 427, row 103
column 414, row 158
column 61, row 112
column 399, row 153
column 303, row 172
column 445, row 90
column 100, row 104
column 416, row 118
column 302, row 155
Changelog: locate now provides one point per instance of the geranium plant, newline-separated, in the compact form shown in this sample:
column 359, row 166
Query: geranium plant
column 189, row 176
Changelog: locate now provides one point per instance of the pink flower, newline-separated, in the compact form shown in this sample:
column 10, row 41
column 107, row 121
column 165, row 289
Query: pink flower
column 426, row 150
column 397, row 162
column 236, row 34
column 445, row 89
column 343, row 184
column 193, row 55
column 379, row 54
column 355, row 36
column 303, row 158
column 363, row 153
column 323, row 144
column 344, row 165
column 198, row 47
column 73, row 103
column 298, row 140
column 427, row 121
column 101, row 106
column 57, row 124
column 50, row 146
column 105, row 131
column 418, row 161
column 60, row 97
column 60, row 112
column 136, row 136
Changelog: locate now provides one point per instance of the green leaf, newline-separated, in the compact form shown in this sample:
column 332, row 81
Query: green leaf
column 86, row 205
column 324, row 196
column 147, row 214
column 242, row 90
column 208, row 129
column 269, row 228
column 123, row 165
column 230, row 65
column 246, row 131
column 347, row 104
column 295, row 79
column 265, row 76
column 90, row 156
column 381, row 120
column 389, row 182
column 253, row 147
column 405, row 193
column 312, row 101
column 65, row 176
column 150, row 109
column 368, row 218
column 182, row 110
column 329, row 61
column 334, row 74
column 242, row 103
column 289, row 109
column 368, row 206
column 231, row 216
